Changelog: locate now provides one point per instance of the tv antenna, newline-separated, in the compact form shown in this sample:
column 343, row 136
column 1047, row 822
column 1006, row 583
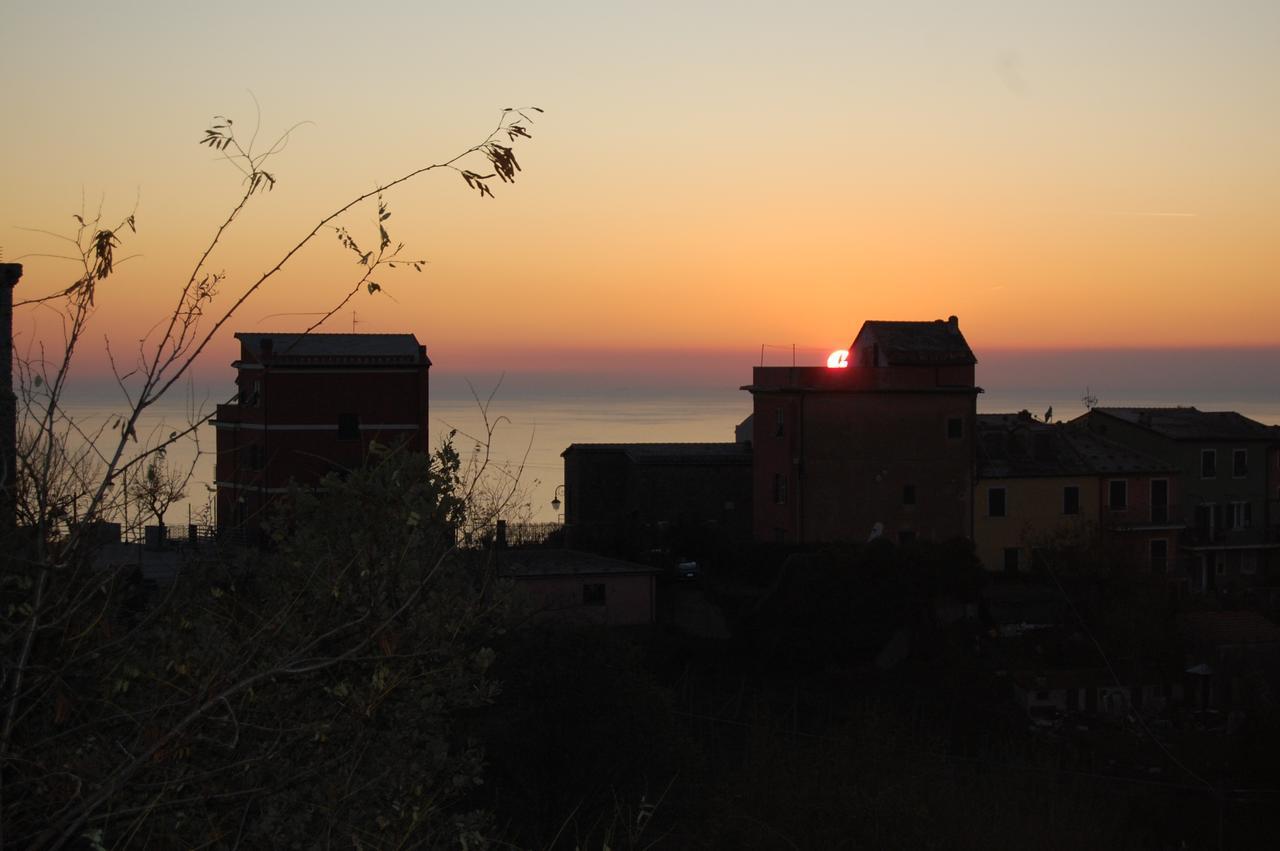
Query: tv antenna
column 1090, row 400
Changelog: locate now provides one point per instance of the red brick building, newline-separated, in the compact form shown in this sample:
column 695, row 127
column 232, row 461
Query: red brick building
column 885, row 444
column 310, row 404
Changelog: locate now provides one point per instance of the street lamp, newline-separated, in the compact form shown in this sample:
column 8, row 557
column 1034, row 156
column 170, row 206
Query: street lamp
column 555, row 498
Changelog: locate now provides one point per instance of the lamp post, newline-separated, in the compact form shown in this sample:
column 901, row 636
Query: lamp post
column 555, row 501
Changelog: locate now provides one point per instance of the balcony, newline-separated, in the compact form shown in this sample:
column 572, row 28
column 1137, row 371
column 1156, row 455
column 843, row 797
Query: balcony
column 1199, row 535
column 1137, row 517
column 233, row 413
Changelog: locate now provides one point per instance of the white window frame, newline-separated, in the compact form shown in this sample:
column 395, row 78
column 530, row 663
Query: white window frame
column 1236, row 453
column 1209, row 453
column 1151, row 500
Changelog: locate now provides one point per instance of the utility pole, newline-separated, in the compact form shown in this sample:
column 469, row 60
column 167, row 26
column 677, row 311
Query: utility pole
column 9, row 275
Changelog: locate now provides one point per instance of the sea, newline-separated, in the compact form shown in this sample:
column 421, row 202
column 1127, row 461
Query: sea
column 529, row 431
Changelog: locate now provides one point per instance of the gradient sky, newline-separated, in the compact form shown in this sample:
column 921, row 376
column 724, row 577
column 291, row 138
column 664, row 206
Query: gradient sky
column 705, row 177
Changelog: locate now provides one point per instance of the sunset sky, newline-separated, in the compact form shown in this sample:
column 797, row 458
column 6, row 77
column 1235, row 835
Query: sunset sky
column 706, row 177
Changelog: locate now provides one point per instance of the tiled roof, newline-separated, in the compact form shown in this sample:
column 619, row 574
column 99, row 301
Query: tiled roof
column 553, row 562
column 672, row 453
column 908, row 343
column 329, row 348
column 1017, row 446
column 1218, row 628
column 1192, row 423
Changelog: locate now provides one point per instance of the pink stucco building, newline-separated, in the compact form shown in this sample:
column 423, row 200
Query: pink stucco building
column 581, row 588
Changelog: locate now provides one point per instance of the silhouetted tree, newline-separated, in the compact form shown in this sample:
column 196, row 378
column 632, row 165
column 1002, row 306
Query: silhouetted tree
column 254, row 699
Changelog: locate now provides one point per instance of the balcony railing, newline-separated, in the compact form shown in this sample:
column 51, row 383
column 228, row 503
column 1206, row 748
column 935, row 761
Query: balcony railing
column 1140, row 516
column 534, row 534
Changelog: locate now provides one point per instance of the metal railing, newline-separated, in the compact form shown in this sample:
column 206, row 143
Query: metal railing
column 534, row 534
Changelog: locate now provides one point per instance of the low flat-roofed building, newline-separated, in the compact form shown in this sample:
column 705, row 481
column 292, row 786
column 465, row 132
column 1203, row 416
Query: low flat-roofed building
column 629, row 498
column 581, row 588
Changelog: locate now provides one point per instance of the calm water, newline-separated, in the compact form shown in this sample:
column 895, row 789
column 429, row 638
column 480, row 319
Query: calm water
column 531, row 433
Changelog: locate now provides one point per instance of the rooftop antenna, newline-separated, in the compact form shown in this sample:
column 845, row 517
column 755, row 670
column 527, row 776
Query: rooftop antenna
column 353, row 322
column 1090, row 400
column 764, row 346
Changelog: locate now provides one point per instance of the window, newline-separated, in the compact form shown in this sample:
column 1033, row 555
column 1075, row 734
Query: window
column 1241, row 515
column 1239, row 463
column 1208, row 463
column 955, row 428
column 1159, row 500
column 1011, row 559
column 1071, row 499
column 1118, row 493
column 1248, row 562
column 255, row 456
column 1210, row 520
column 779, row 423
column 779, row 489
column 1159, row 555
column 348, row 427
column 908, row 494
column 593, row 594
column 995, row 502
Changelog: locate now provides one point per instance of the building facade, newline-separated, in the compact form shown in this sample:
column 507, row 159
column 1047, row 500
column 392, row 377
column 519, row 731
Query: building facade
column 882, row 445
column 310, row 404
column 1223, row 462
column 631, row 498
column 1047, row 492
column 575, row 588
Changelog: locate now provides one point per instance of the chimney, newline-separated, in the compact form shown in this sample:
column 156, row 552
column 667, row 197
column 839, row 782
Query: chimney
column 954, row 321
column 500, row 536
column 9, row 275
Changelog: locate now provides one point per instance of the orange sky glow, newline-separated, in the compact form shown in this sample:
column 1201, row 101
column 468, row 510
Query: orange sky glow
column 1086, row 177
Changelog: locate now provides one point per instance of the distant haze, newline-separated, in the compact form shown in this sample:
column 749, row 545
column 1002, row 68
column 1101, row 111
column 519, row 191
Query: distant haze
column 1115, row 376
